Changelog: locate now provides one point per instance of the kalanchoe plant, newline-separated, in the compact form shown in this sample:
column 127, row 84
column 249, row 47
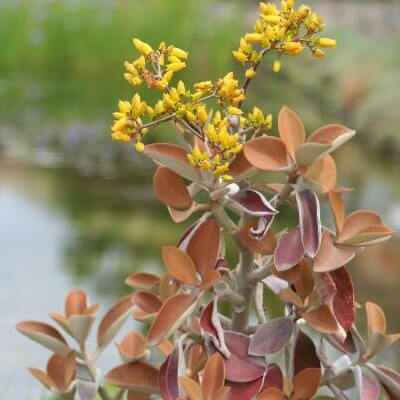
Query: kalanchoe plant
column 191, row 349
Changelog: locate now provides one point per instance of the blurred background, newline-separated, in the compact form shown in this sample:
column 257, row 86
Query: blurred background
column 77, row 210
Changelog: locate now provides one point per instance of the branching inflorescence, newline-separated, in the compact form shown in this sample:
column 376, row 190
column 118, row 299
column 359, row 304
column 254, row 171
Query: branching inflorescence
column 191, row 350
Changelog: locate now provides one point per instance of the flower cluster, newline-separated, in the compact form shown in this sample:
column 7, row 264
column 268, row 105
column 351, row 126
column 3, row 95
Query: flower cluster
column 128, row 123
column 163, row 62
column 285, row 32
column 220, row 148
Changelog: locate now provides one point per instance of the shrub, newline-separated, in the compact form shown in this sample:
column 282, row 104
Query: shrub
column 194, row 347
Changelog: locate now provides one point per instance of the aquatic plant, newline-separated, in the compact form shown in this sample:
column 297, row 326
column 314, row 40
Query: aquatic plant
column 208, row 332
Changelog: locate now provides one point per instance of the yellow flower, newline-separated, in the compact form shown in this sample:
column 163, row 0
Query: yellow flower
column 271, row 19
column 250, row 73
column 176, row 66
column 143, row 47
column 293, row 48
column 319, row 53
column 277, row 66
column 240, row 56
column 326, row 42
column 139, row 146
column 227, row 178
column 234, row 110
column 179, row 53
column 254, row 37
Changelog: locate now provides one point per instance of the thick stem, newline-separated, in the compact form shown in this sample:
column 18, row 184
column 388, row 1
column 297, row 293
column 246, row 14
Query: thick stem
column 240, row 318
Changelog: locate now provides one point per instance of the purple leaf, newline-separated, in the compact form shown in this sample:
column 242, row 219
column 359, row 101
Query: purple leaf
column 370, row 389
column 310, row 220
column 210, row 323
column 347, row 346
column 343, row 302
column 304, row 354
column 264, row 223
column 241, row 367
column 168, row 377
column 271, row 337
column 253, row 203
column 244, row 390
column 289, row 251
column 389, row 379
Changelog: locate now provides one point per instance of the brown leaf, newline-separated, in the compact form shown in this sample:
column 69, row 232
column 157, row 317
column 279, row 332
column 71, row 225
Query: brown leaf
column 191, row 388
column 362, row 228
column 171, row 189
column 338, row 209
column 173, row 157
column 147, row 301
column 322, row 173
column 322, row 320
column 43, row 378
column 211, row 278
column 214, row 376
column 142, row 280
column 376, row 318
column 45, row 335
column 173, row 312
column 291, row 130
column 137, row 375
column 240, row 167
column 132, row 346
column 265, row 246
column 179, row 216
column 306, row 383
column 330, row 257
column 113, row 321
column 180, row 265
column 271, row 393
column 333, row 134
column 207, row 236
column 266, row 152
column 76, row 303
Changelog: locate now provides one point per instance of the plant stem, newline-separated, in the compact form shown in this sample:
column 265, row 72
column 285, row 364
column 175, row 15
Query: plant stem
column 240, row 318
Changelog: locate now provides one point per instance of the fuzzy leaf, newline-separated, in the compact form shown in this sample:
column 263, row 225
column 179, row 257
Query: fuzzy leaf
column 180, row 265
column 214, row 376
column 308, row 153
column 370, row 389
column 142, row 280
column 171, row 315
column 112, row 322
column 207, row 236
column 304, row 354
column 168, row 377
column 267, row 153
column 147, row 301
column 389, row 379
column 310, row 220
column 322, row 174
column 291, row 130
column 289, row 251
column 171, row 189
column 45, row 335
column 191, row 388
column 331, row 257
column 173, row 157
column 322, row 320
column 334, row 134
column 136, row 375
column 306, row 383
column 132, row 346
column 241, row 367
column 253, row 203
column 271, row 337
column 244, row 390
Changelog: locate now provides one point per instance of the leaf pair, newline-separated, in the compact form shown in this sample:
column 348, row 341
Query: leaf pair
column 60, row 373
column 378, row 340
column 212, row 386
